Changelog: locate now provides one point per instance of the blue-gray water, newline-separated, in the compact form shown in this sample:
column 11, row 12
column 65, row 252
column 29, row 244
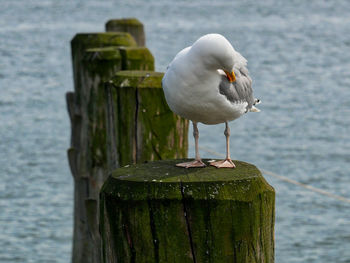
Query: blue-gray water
column 299, row 58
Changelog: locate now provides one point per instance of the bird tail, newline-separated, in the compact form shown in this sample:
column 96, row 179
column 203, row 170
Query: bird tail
column 253, row 108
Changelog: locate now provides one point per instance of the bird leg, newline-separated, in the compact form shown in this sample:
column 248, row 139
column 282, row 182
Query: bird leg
column 227, row 163
column 198, row 161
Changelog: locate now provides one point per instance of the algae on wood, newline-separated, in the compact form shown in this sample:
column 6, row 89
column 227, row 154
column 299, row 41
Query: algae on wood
column 83, row 41
column 87, row 156
column 137, row 58
column 141, row 126
column 96, row 57
column 156, row 212
column 130, row 25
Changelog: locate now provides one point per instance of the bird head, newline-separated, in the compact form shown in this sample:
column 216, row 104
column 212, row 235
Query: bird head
column 215, row 52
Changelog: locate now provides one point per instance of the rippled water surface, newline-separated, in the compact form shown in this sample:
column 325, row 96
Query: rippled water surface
column 299, row 59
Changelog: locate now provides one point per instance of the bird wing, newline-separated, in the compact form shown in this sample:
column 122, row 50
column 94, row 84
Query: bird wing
column 240, row 61
column 240, row 90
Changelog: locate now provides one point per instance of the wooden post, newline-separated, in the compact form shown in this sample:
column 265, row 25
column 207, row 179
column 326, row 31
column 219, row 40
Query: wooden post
column 86, row 155
column 137, row 58
column 156, row 212
column 130, row 25
column 141, row 126
column 84, row 41
column 94, row 62
column 96, row 58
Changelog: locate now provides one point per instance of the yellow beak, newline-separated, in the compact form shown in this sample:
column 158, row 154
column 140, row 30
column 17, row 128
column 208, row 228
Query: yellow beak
column 231, row 76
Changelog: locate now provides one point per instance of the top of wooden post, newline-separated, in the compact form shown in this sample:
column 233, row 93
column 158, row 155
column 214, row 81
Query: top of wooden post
column 163, row 180
column 102, row 53
column 137, row 79
column 157, row 212
column 130, row 25
column 132, row 21
column 94, row 40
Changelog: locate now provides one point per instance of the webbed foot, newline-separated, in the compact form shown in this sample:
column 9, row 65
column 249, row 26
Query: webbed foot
column 194, row 164
column 227, row 163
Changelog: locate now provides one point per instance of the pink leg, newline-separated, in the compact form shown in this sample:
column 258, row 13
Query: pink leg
column 227, row 163
column 198, row 161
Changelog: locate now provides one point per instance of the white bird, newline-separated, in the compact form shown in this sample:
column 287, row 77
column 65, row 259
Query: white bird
column 208, row 82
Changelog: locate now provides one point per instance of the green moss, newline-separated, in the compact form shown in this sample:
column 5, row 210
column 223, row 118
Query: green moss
column 137, row 78
column 99, row 64
column 93, row 40
column 102, row 53
column 162, row 213
column 163, row 133
column 133, row 58
column 84, row 41
column 166, row 171
column 124, row 21
column 137, row 58
column 147, row 128
column 245, row 180
column 137, row 53
column 132, row 26
column 125, row 126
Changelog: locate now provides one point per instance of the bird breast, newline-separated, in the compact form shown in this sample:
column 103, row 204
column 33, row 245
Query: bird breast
column 196, row 96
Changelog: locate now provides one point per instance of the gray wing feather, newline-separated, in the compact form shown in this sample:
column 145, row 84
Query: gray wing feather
column 240, row 90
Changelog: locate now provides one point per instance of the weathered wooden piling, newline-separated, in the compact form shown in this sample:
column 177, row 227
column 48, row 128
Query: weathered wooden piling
column 156, row 212
column 84, row 41
column 141, row 126
column 130, row 25
column 96, row 58
column 87, row 155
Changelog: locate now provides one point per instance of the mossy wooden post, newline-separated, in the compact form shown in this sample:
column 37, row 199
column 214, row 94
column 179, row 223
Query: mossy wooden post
column 93, row 63
column 130, row 25
column 156, row 212
column 83, row 41
column 96, row 57
column 141, row 127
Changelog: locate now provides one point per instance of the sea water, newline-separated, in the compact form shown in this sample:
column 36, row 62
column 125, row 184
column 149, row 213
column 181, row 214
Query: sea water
column 299, row 58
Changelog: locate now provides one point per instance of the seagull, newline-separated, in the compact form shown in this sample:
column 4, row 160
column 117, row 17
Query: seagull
column 208, row 82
